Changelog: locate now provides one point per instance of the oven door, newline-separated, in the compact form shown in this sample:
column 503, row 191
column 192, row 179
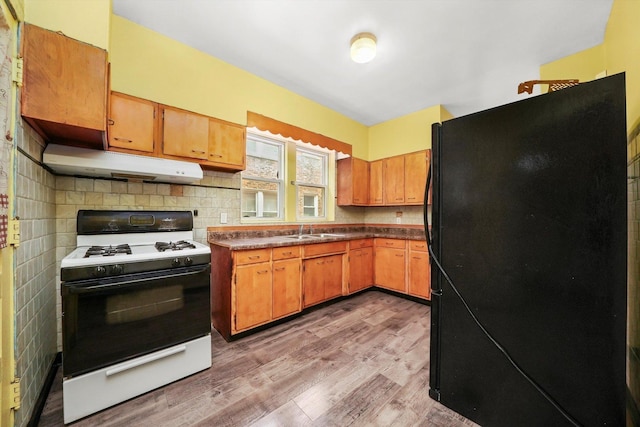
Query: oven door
column 110, row 320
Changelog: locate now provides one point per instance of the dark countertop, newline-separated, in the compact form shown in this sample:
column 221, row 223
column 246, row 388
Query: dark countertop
column 243, row 240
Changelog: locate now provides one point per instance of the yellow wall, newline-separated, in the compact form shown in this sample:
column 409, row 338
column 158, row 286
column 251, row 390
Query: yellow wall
column 584, row 66
column 622, row 46
column 151, row 66
column 405, row 134
column 619, row 52
column 86, row 20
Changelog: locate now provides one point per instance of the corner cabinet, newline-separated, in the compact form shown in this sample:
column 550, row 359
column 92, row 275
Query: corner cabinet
column 353, row 182
column 64, row 92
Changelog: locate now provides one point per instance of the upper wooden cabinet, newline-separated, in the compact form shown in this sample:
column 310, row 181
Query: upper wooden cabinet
column 392, row 181
column 64, row 92
column 393, row 178
column 375, row 183
column 415, row 176
column 353, row 182
column 213, row 143
column 227, row 144
column 131, row 123
column 185, row 134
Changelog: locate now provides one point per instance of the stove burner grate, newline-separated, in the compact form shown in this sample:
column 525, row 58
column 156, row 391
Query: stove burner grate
column 108, row 250
column 174, row 246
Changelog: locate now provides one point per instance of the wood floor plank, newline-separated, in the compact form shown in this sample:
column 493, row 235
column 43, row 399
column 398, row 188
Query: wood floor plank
column 363, row 361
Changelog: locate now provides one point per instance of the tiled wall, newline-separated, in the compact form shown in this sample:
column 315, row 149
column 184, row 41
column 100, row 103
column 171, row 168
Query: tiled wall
column 633, row 281
column 35, row 271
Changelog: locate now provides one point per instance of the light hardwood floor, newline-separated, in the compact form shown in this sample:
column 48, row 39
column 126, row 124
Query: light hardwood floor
column 363, row 361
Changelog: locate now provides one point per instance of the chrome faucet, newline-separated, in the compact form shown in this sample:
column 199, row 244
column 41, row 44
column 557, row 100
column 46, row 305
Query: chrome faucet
column 300, row 232
column 310, row 228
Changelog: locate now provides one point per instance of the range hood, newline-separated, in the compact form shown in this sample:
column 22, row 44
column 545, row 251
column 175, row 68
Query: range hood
column 68, row 160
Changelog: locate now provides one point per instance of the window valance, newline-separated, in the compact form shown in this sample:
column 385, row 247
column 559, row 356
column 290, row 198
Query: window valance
column 290, row 131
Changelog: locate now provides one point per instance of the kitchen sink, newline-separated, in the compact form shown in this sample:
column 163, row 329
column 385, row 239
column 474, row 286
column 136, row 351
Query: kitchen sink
column 326, row 235
column 303, row 236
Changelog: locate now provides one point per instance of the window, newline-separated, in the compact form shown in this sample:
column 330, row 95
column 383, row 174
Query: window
column 262, row 180
column 286, row 180
column 311, row 183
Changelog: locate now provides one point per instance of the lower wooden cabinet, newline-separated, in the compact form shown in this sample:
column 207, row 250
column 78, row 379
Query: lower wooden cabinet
column 390, row 264
column 254, row 294
column 360, row 264
column 419, row 271
column 250, row 288
column 286, row 287
column 322, row 279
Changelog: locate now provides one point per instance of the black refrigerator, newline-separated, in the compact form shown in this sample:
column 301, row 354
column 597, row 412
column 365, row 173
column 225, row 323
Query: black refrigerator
column 529, row 260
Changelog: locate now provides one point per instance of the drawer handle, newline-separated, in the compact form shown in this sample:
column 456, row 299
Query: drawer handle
column 255, row 257
column 214, row 155
column 263, row 271
column 416, row 257
column 287, row 253
column 411, row 198
column 197, row 151
column 145, row 360
column 402, row 255
column 122, row 139
column 279, row 268
column 398, row 198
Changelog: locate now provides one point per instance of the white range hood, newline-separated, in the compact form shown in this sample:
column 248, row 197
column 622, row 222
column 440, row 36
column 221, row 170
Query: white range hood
column 68, row 160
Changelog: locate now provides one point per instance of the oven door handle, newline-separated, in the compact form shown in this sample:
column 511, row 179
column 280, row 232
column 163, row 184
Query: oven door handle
column 101, row 286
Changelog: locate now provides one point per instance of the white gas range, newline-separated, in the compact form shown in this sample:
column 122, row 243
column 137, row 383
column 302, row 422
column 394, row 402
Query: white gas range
column 136, row 307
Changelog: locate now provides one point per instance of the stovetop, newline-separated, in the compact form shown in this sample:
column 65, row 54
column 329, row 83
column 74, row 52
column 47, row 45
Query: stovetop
column 112, row 243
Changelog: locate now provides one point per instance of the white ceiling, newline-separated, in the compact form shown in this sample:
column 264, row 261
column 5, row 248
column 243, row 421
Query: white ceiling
column 467, row 55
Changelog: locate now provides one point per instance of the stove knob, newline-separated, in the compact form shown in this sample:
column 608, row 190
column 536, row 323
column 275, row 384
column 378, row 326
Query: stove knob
column 117, row 269
column 175, row 262
column 188, row 261
column 100, row 271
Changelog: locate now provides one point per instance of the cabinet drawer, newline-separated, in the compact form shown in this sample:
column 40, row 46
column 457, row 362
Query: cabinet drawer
column 252, row 256
column 360, row 243
column 324, row 248
column 418, row 245
column 286, row 252
column 390, row 243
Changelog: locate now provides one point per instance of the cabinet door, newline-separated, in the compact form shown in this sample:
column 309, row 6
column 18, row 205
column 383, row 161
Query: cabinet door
column 287, row 289
column 227, row 144
column 332, row 276
column 393, row 180
column 360, row 182
column 419, row 274
column 313, row 281
column 64, row 92
column 390, row 268
column 353, row 182
column 131, row 123
column 415, row 177
column 253, row 295
column 185, row 134
column 375, row 183
column 360, row 269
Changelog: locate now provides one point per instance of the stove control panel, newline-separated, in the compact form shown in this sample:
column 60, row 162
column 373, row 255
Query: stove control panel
column 121, row 268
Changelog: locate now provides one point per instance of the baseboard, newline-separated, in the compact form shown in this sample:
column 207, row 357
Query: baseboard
column 44, row 392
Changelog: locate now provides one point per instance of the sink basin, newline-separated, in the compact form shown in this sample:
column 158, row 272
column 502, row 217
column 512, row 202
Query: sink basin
column 303, row 236
column 326, row 235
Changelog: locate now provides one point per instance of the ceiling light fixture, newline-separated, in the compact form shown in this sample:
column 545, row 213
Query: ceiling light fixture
column 363, row 47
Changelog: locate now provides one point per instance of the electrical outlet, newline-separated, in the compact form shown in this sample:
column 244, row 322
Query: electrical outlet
column 223, row 218
column 399, row 220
